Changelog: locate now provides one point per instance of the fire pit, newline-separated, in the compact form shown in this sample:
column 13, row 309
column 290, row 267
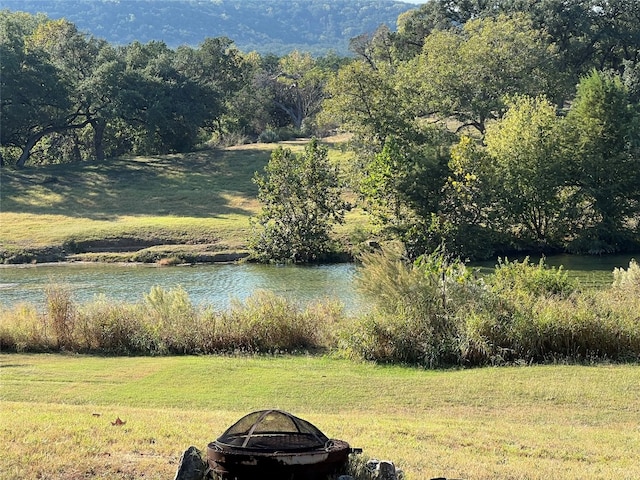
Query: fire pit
column 275, row 444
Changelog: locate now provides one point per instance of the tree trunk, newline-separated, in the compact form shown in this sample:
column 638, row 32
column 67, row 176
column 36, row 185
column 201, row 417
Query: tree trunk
column 26, row 150
column 99, row 125
column 36, row 137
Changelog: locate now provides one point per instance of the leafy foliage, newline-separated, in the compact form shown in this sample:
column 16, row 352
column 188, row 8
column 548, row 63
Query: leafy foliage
column 301, row 199
column 603, row 137
column 466, row 74
column 434, row 312
column 526, row 155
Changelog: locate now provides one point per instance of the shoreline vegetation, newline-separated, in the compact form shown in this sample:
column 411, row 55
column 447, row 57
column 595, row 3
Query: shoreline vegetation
column 434, row 313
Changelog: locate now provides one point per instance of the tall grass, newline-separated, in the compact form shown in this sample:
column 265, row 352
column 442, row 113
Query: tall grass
column 166, row 322
column 434, row 312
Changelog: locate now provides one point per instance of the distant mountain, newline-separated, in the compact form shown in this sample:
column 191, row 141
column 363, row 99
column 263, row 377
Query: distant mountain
column 266, row 26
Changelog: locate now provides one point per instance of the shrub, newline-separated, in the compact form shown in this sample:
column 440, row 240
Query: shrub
column 417, row 316
column 268, row 136
column 627, row 281
column 536, row 314
column 266, row 322
column 22, row 328
column 115, row 328
column 301, row 202
column 61, row 313
column 525, row 278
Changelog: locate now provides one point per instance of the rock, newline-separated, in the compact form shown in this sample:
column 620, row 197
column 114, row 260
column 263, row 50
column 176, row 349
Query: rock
column 372, row 465
column 192, row 466
column 386, row 470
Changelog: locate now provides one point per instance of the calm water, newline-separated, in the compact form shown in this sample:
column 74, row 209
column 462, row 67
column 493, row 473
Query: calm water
column 592, row 271
column 218, row 285
column 215, row 285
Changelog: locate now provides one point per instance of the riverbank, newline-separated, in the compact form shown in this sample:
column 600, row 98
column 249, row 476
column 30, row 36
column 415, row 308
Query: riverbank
column 157, row 254
column 561, row 422
column 523, row 313
column 183, row 208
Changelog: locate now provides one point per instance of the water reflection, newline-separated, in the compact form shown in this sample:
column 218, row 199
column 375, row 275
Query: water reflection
column 215, row 285
column 218, row 285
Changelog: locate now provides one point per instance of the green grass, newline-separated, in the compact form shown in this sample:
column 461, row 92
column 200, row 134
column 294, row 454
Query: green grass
column 204, row 197
column 561, row 422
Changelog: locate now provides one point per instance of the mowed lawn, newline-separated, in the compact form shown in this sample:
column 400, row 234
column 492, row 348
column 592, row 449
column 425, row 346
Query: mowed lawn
column 540, row 422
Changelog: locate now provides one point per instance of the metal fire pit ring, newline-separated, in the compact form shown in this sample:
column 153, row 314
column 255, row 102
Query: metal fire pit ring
column 275, row 444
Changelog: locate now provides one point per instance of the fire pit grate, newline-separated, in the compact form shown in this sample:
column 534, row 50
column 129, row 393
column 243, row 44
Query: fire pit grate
column 277, row 443
column 272, row 430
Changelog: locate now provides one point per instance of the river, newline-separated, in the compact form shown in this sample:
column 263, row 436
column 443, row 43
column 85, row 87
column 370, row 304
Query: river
column 218, row 285
column 213, row 285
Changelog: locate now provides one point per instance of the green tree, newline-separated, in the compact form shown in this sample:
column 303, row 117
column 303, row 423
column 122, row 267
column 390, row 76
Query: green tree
column 603, row 143
column 400, row 165
column 436, row 15
column 466, row 74
column 301, row 200
column 36, row 96
column 219, row 71
column 589, row 33
column 297, row 87
column 371, row 103
column 526, row 155
column 375, row 49
column 402, row 183
column 92, row 70
column 170, row 97
column 468, row 222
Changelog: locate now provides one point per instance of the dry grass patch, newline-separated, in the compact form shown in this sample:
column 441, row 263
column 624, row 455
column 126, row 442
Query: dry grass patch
column 534, row 423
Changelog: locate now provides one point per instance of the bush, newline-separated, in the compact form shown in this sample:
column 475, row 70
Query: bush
column 301, row 198
column 268, row 323
column 268, row 136
column 627, row 282
column 536, row 314
column 166, row 322
column 417, row 309
column 61, row 313
column 433, row 313
column 525, row 278
column 24, row 329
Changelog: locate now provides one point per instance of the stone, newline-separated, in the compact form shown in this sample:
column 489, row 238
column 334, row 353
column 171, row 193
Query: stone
column 386, row 470
column 192, row 466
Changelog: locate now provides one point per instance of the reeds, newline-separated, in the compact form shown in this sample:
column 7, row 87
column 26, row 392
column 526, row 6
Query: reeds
column 166, row 322
column 433, row 313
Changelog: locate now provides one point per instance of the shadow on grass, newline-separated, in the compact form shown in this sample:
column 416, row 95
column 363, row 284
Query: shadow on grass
column 198, row 184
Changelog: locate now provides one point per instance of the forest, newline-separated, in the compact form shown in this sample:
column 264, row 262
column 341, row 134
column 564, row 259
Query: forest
column 487, row 127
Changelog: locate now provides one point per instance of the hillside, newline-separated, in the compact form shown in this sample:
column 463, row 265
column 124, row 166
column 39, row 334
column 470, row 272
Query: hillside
column 276, row 26
column 194, row 206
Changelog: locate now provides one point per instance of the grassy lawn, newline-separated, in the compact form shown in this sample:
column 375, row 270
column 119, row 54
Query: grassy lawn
column 561, row 422
column 204, row 197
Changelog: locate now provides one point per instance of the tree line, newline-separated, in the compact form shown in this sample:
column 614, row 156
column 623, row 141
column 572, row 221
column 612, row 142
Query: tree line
column 486, row 126
column 68, row 96
column 492, row 127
